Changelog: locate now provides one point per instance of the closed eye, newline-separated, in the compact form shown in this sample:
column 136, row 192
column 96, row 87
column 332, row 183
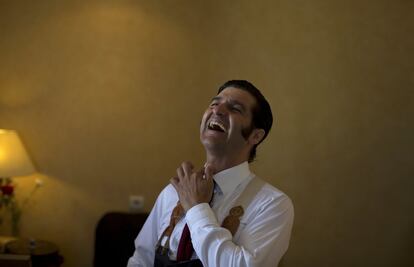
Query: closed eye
column 215, row 101
column 236, row 109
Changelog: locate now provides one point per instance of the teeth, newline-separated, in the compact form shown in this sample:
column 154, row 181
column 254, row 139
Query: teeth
column 214, row 123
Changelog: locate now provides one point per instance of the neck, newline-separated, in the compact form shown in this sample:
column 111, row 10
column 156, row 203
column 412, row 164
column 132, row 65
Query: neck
column 222, row 163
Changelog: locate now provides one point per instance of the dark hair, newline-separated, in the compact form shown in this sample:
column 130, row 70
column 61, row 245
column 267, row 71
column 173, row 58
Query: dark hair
column 262, row 113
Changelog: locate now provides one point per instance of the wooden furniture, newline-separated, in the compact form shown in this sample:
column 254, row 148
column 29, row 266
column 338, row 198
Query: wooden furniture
column 114, row 238
column 4, row 240
column 11, row 260
column 42, row 253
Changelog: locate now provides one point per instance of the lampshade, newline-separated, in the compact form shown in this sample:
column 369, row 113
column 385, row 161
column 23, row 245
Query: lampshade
column 14, row 160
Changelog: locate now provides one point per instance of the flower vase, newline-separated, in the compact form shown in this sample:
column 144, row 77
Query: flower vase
column 15, row 214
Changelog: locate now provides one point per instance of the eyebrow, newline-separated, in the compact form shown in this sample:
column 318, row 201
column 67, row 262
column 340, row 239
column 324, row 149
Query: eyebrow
column 216, row 98
column 231, row 101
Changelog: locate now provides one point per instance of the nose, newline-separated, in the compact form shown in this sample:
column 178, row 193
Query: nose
column 219, row 109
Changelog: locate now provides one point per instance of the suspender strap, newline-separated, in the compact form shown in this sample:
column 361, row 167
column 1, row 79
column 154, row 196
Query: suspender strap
column 249, row 192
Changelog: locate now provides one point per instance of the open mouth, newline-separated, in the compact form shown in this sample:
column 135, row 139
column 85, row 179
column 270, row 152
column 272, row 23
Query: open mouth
column 216, row 126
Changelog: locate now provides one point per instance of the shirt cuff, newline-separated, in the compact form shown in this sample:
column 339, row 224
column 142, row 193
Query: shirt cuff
column 199, row 216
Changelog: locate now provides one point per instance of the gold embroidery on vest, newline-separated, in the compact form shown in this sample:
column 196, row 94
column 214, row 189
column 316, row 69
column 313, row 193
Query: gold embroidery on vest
column 232, row 221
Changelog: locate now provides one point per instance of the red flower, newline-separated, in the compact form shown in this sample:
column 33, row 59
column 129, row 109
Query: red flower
column 7, row 189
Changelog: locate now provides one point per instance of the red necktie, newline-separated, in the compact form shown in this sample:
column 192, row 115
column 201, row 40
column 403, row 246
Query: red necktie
column 185, row 247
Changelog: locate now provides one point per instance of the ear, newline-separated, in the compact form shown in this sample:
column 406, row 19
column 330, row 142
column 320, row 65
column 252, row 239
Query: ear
column 256, row 136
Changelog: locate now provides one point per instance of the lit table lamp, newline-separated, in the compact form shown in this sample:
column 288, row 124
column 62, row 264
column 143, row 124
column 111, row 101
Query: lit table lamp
column 14, row 160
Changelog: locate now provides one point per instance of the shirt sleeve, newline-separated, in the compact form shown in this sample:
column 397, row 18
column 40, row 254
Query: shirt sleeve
column 148, row 236
column 262, row 239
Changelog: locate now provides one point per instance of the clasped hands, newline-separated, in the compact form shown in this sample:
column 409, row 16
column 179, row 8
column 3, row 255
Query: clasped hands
column 193, row 187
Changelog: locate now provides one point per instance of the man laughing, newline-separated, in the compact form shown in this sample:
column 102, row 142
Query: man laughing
column 222, row 214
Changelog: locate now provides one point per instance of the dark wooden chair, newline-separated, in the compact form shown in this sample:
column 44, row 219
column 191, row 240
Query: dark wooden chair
column 114, row 238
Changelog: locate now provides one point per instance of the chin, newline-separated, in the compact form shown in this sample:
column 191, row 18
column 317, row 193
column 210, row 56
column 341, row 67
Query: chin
column 211, row 142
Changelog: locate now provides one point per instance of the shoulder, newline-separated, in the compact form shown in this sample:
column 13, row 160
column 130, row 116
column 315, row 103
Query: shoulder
column 163, row 207
column 275, row 194
column 168, row 196
column 168, row 190
column 273, row 200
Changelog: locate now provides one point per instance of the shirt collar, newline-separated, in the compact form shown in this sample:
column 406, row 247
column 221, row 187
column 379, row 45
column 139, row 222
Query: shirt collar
column 228, row 179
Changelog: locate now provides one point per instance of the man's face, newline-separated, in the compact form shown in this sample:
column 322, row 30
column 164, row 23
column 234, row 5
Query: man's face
column 224, row 120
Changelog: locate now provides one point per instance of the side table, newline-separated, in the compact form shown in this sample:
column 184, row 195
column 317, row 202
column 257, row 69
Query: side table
column 4, row 240
column 43, row 253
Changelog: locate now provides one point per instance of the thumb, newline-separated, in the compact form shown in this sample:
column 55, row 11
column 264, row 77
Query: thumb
column 208, row 171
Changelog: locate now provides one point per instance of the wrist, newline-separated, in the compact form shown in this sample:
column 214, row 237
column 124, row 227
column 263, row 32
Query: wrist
column 189, row 205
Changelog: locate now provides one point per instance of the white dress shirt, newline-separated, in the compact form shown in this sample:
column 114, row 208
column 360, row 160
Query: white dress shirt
column 261, row 239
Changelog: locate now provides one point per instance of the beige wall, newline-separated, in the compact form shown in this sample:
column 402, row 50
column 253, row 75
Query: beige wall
column 107, row 96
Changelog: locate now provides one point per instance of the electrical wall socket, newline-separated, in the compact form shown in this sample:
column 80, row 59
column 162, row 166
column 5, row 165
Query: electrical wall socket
column 136, row 203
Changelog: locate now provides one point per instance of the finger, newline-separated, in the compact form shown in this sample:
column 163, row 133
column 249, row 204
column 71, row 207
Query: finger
column 187, row 168
column 175, row 181
column 200, row 173
column 180, row 173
